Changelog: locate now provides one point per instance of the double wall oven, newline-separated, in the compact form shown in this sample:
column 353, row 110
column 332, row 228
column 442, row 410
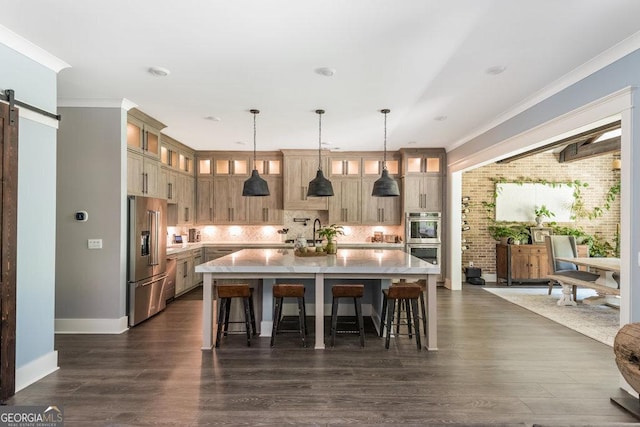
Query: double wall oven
column 422, row 235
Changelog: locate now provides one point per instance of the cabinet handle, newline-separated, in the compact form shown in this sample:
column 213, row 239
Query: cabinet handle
column 265, row 214
column 170, row 191
column 185, row 269
column 210, row 214
column 381, row 214
column 304, row 193
column 186, row 214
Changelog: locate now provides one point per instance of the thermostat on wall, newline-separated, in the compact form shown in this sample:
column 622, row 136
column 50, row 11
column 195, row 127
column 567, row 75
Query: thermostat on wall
column 82, row 216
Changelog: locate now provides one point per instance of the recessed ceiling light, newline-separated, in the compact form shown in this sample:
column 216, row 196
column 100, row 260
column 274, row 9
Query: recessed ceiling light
column 440, row 118
column 241, row 143
column 326, row 143
column 159, row 71
column 496, row 69
column 411, row 142
column 213, row 118
column 325, row 71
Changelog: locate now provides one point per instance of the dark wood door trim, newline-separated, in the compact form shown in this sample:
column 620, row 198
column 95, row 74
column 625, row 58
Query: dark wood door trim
column 8, row 236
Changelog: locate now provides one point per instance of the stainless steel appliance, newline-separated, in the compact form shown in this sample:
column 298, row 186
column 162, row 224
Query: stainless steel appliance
column 422, row 227
column 147, row 257
column 426, row 252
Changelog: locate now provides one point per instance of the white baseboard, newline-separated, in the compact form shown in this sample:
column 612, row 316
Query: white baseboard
column 36, row 370
column 91, row 326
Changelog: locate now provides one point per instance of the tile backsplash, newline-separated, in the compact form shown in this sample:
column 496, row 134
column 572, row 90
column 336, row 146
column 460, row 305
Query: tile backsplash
column 269, row 233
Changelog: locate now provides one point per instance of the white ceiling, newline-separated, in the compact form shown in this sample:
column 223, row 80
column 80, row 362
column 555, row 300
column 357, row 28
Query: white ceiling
column 423, row 59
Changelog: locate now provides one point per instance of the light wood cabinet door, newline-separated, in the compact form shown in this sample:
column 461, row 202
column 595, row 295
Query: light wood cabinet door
column 379, row 210
column 422, row 193
column 186, row 199
column 204, row 201
column 143, row 175
column 298, row 171
column 267, row 209
column 229, row 206
column 345, row 205
column 135, row 174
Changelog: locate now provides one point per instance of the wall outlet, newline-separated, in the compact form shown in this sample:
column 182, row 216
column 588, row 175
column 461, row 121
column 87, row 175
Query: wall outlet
column 470, row 263
column 94, row 243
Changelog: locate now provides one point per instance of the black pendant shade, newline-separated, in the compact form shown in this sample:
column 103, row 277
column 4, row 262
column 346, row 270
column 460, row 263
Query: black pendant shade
column 320, row 186
column 385, row 186
column 255, row 186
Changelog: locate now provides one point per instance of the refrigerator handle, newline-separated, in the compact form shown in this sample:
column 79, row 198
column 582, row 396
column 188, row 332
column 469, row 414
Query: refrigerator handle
column 154, row 226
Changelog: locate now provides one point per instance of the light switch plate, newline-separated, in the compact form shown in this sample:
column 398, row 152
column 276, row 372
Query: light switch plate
column 94, row 243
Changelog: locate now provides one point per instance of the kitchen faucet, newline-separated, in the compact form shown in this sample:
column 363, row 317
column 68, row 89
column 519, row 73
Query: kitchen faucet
column 314, row 229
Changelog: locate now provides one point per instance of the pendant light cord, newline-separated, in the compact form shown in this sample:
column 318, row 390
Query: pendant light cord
column 320, row 113
column 254, row 112
column 384, row 155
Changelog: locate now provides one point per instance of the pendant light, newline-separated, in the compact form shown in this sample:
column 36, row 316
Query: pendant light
column 320, row 186
column 385, row 186
column 255, row 185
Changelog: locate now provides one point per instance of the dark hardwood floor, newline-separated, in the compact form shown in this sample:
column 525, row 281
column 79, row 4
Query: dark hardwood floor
column 497, row 364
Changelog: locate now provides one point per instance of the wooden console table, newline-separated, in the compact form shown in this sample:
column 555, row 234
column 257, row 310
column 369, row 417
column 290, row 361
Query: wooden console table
column 525, row 263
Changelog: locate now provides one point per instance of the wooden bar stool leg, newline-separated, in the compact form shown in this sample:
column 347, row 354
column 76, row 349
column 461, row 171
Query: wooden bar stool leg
column 408, row 304
column 247, row 319
column 416, row 322
column 358, row 305
column 304, row 308
column 276, row 319
column 399, row 316
column 221, row 309
column 334, row 320
column 301, row 319
column 383, row 315
column 390, row 314
column 252, row 313
column 226, row 316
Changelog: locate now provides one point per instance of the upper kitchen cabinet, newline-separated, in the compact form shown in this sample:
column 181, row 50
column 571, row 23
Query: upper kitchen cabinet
column 229, row 205
column 345, row 165
column 345, row 206
column 300, row 167
column 380, row 210
column 143, row 176
column 267, row 209
column 424, row 179
column 204, row 200
column 143, row 153
column 143, row 133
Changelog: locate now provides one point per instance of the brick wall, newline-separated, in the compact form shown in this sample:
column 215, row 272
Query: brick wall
column 477, row 185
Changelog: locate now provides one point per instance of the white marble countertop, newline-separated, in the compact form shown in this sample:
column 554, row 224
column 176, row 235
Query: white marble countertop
column 177, row 249
column 352, row 261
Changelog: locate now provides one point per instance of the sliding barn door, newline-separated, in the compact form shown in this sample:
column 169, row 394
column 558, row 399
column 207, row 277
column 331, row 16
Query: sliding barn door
column 8, row 221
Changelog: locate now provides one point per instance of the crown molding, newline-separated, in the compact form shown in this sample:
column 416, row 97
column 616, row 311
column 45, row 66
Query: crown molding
column 123, row 103
column 30, row 50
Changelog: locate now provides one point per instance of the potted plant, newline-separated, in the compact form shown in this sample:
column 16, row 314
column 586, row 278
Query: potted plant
column 541, row 213
column 330, row 232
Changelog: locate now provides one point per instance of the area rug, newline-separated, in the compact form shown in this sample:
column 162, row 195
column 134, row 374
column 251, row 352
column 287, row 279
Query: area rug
column 599, row 322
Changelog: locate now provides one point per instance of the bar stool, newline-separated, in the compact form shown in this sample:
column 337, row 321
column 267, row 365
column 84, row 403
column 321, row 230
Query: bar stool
column 422, row 284
column 289, row 291
column 225, row 294
column 347, row 291
column 409, row 295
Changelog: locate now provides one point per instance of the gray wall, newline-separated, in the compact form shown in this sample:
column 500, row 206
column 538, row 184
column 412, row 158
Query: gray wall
column 36, row 85
column 90, row 283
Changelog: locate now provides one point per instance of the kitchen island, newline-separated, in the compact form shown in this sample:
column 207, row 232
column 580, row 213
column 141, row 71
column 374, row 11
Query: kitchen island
column 381, row 265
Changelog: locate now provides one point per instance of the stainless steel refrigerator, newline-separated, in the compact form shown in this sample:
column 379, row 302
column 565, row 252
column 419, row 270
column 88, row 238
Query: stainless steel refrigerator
column 147, row 257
